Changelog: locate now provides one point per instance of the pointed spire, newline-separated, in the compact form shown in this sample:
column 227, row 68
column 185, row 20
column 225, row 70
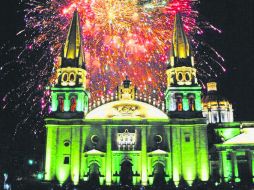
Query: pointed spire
column 180, row 43
column 73, row 48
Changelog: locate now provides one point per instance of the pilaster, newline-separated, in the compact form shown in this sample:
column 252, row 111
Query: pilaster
column 176, row 155
column 50, row 165
column 251, row 163
column 109, row 157
column 75, row 154
column 144, row 156
column 235, row 166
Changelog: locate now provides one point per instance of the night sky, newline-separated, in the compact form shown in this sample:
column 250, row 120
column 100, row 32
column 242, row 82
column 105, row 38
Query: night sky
column 236, row 44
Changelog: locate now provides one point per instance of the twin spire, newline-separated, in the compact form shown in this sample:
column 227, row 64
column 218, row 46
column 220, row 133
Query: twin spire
column 73, row 49
column 73, row 55
column 180, row 41
column 180, row 51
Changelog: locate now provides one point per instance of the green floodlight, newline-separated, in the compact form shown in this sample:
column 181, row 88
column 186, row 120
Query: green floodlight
column 30, row 162
column 40, row 176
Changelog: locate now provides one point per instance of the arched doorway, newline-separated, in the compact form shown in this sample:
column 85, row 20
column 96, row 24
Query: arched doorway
column 159, row 174
column 94, row 174
column 126, row 173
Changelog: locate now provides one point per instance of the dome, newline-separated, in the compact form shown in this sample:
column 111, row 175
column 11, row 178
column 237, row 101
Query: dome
column 213, row 97
column 127, row 109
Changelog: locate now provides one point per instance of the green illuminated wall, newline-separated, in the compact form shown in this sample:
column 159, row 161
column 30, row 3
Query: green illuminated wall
column 179, row 158
column 189, row 153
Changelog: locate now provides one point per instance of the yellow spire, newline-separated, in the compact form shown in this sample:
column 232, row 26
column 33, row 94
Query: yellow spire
column 73, row 49
column 180, row 44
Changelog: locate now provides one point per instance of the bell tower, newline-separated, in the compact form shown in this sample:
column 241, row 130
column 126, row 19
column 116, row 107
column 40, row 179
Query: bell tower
column 69, row 94
column 183, row 103
column 183, row 94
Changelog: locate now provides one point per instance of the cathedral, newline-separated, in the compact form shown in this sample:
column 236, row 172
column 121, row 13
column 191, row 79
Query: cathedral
column 129, row 139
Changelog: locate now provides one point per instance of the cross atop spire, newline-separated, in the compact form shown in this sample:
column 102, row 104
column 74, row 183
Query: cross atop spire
column 73, row 55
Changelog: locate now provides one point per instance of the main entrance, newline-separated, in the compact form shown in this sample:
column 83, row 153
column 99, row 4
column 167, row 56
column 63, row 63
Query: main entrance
column 94, row 174
column 126, row 173
column 159, row 174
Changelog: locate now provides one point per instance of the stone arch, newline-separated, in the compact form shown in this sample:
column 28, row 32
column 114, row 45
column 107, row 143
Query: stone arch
column 126, row 173
column 73, row 98
column 159, row 173
column 94, row 173
column 179, row 102
column 191, row 102
column 60, row 102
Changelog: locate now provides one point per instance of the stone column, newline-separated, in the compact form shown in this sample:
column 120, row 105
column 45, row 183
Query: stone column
column 67, row 103
column 202, row 153
column 234, row 166
column 198, row 104
column 185, row 102
column 172, row 103
column 209, row 116
column 75, row 154
column 109, row 157
column 176, row 156
column 50, row 161
column 225, row 167
column 251, row 163
column 83, row 166
column 143, row 156
column 54, row 102
column 221, row 165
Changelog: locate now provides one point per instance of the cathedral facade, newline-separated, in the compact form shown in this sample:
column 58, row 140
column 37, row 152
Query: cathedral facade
column 129, row 139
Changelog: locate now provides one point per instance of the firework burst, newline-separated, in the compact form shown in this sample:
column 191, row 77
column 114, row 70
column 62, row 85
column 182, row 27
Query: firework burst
column 121, row 37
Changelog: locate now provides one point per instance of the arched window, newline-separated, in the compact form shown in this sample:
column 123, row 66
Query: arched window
column 73, row 104
column 65, row 77
column 187, row 77
column 179, row 103
column 72, row 77
column 61, row 104
column 191, row 100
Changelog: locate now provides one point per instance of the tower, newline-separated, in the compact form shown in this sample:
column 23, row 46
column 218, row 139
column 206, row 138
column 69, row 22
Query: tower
column 183, row 94
column 69, row 95
column 216, row 108
column 69, row 102
column 183, row 104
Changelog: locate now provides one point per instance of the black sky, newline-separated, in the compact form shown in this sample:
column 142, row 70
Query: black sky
column 236, row 44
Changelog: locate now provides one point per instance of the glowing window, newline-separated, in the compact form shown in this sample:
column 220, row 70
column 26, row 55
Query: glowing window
column 179, row 103
column 191, row 100
column 65, row 77
column 126, row 140
column 67, row 143
column 61, row 104
column 73, row 104
column 180, row 76
column 94, row 139
column 72, row 77
column 158, row 139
